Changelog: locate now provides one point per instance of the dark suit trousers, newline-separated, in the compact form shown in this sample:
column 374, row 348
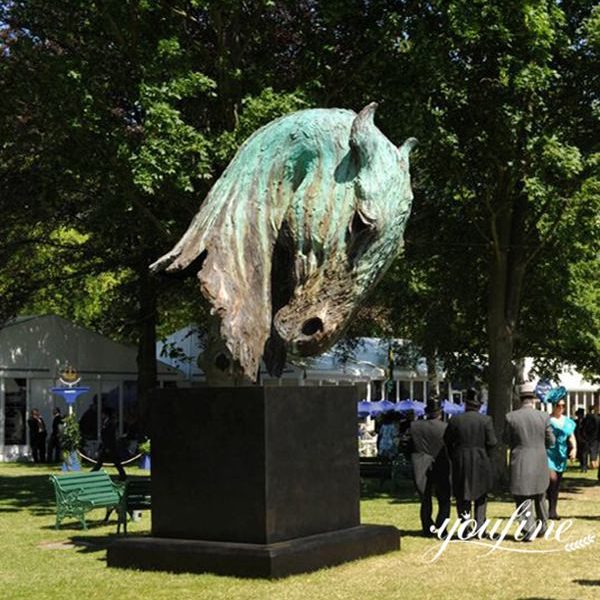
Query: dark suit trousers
column 538, row 502
column 110, row 455
column 443, row 500
column 54, row 450
column 464, row 506
column 38, row 448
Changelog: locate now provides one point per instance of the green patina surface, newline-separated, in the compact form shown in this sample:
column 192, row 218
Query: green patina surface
column 301, row 225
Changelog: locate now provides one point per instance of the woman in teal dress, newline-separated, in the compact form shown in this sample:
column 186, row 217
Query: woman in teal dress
column 564, row 448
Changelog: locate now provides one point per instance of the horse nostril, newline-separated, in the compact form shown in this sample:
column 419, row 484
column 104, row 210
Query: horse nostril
column 222, row 362
column 312, row 326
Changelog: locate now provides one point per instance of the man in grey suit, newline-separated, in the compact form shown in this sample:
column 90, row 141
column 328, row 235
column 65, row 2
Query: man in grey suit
column 431, row 465
column 528, row 433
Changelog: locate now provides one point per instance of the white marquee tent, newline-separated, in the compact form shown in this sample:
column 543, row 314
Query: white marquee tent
column 32, row 352
column 367, row 365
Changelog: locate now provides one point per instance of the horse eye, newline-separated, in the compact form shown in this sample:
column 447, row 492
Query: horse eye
column 359, row 224
column 361, row 232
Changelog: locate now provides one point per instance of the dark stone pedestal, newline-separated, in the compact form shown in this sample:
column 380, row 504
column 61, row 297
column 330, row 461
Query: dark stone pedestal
column 280, row 559
column 254, row 481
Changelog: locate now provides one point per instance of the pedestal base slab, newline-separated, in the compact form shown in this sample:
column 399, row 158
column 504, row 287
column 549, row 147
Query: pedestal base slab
column 279, row 559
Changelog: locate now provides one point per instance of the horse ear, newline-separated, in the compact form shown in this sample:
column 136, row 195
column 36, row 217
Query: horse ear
column 408, row 145
column 362, row 134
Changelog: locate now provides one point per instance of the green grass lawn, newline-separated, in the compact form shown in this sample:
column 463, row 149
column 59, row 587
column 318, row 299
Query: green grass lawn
column 37, row 562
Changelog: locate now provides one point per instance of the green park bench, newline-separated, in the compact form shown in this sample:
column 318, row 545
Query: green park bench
column 78, row 493
column 373, row 467
column 137, row 496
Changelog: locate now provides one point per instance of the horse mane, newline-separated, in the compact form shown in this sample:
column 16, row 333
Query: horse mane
column 282, row 183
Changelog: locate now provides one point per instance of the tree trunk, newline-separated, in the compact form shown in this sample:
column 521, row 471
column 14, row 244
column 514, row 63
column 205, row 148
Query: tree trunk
column 432, row 374
column 146, row 356
column 500, row 376
column 507, row 270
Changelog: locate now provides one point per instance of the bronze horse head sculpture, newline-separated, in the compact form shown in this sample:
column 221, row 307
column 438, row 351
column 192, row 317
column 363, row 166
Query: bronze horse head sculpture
column 304, row 221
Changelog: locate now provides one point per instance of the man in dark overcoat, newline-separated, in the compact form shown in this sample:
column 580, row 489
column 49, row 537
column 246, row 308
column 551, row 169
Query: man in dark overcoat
column 109, row 451
column 37, row 436
column 431, row 466
column 470, row 439
column 528, row 433
column 54, row 447
column 590, row 433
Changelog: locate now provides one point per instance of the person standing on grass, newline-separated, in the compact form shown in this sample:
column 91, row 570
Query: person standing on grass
column 108, row 451
column 387, row 438
column 470, row 439
column 431, row 466
column 564, row 448
column 55, row 444
column 582, row 450
column 528, row 434
column 590, row 432
column 37, row 436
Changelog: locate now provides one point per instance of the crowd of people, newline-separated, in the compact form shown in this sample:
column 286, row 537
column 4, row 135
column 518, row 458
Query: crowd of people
column 43, row 449
column 109, row 450
column 456, row 457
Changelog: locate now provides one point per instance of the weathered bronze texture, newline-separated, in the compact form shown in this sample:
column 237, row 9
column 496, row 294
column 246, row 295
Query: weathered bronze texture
column 301, row 225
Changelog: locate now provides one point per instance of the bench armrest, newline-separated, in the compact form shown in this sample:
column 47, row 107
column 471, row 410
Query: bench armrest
column 71, row 498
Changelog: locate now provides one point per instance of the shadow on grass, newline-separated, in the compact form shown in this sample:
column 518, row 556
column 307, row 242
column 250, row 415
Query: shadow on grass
column 397, row 492
column 75, row 525
column 418, row 533
column 92, row 543
column 32, row 492
column 588, row 582
column 575, row 485
column 88, row 544
column 27, row 492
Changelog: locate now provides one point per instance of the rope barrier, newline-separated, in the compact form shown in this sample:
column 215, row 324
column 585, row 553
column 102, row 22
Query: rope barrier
column 125, row 462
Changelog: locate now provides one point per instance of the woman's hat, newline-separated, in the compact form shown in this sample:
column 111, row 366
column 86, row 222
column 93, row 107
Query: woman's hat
column 556, row 394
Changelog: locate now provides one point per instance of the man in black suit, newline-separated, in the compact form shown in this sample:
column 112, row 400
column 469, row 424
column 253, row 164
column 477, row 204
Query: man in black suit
column 108, row 448
column 55, row 444
column 37, row 436
column 431, row 466
column 590, row 433
column 470, row 438
column 528, row 433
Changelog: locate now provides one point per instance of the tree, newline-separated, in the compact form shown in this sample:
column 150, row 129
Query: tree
column 509, row 137
column 102, row 96
column 116, row 132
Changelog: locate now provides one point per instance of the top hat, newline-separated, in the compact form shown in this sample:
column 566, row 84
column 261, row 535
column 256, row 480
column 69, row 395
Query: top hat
column 527, row 390
column 472, row 401
column 433, row 406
